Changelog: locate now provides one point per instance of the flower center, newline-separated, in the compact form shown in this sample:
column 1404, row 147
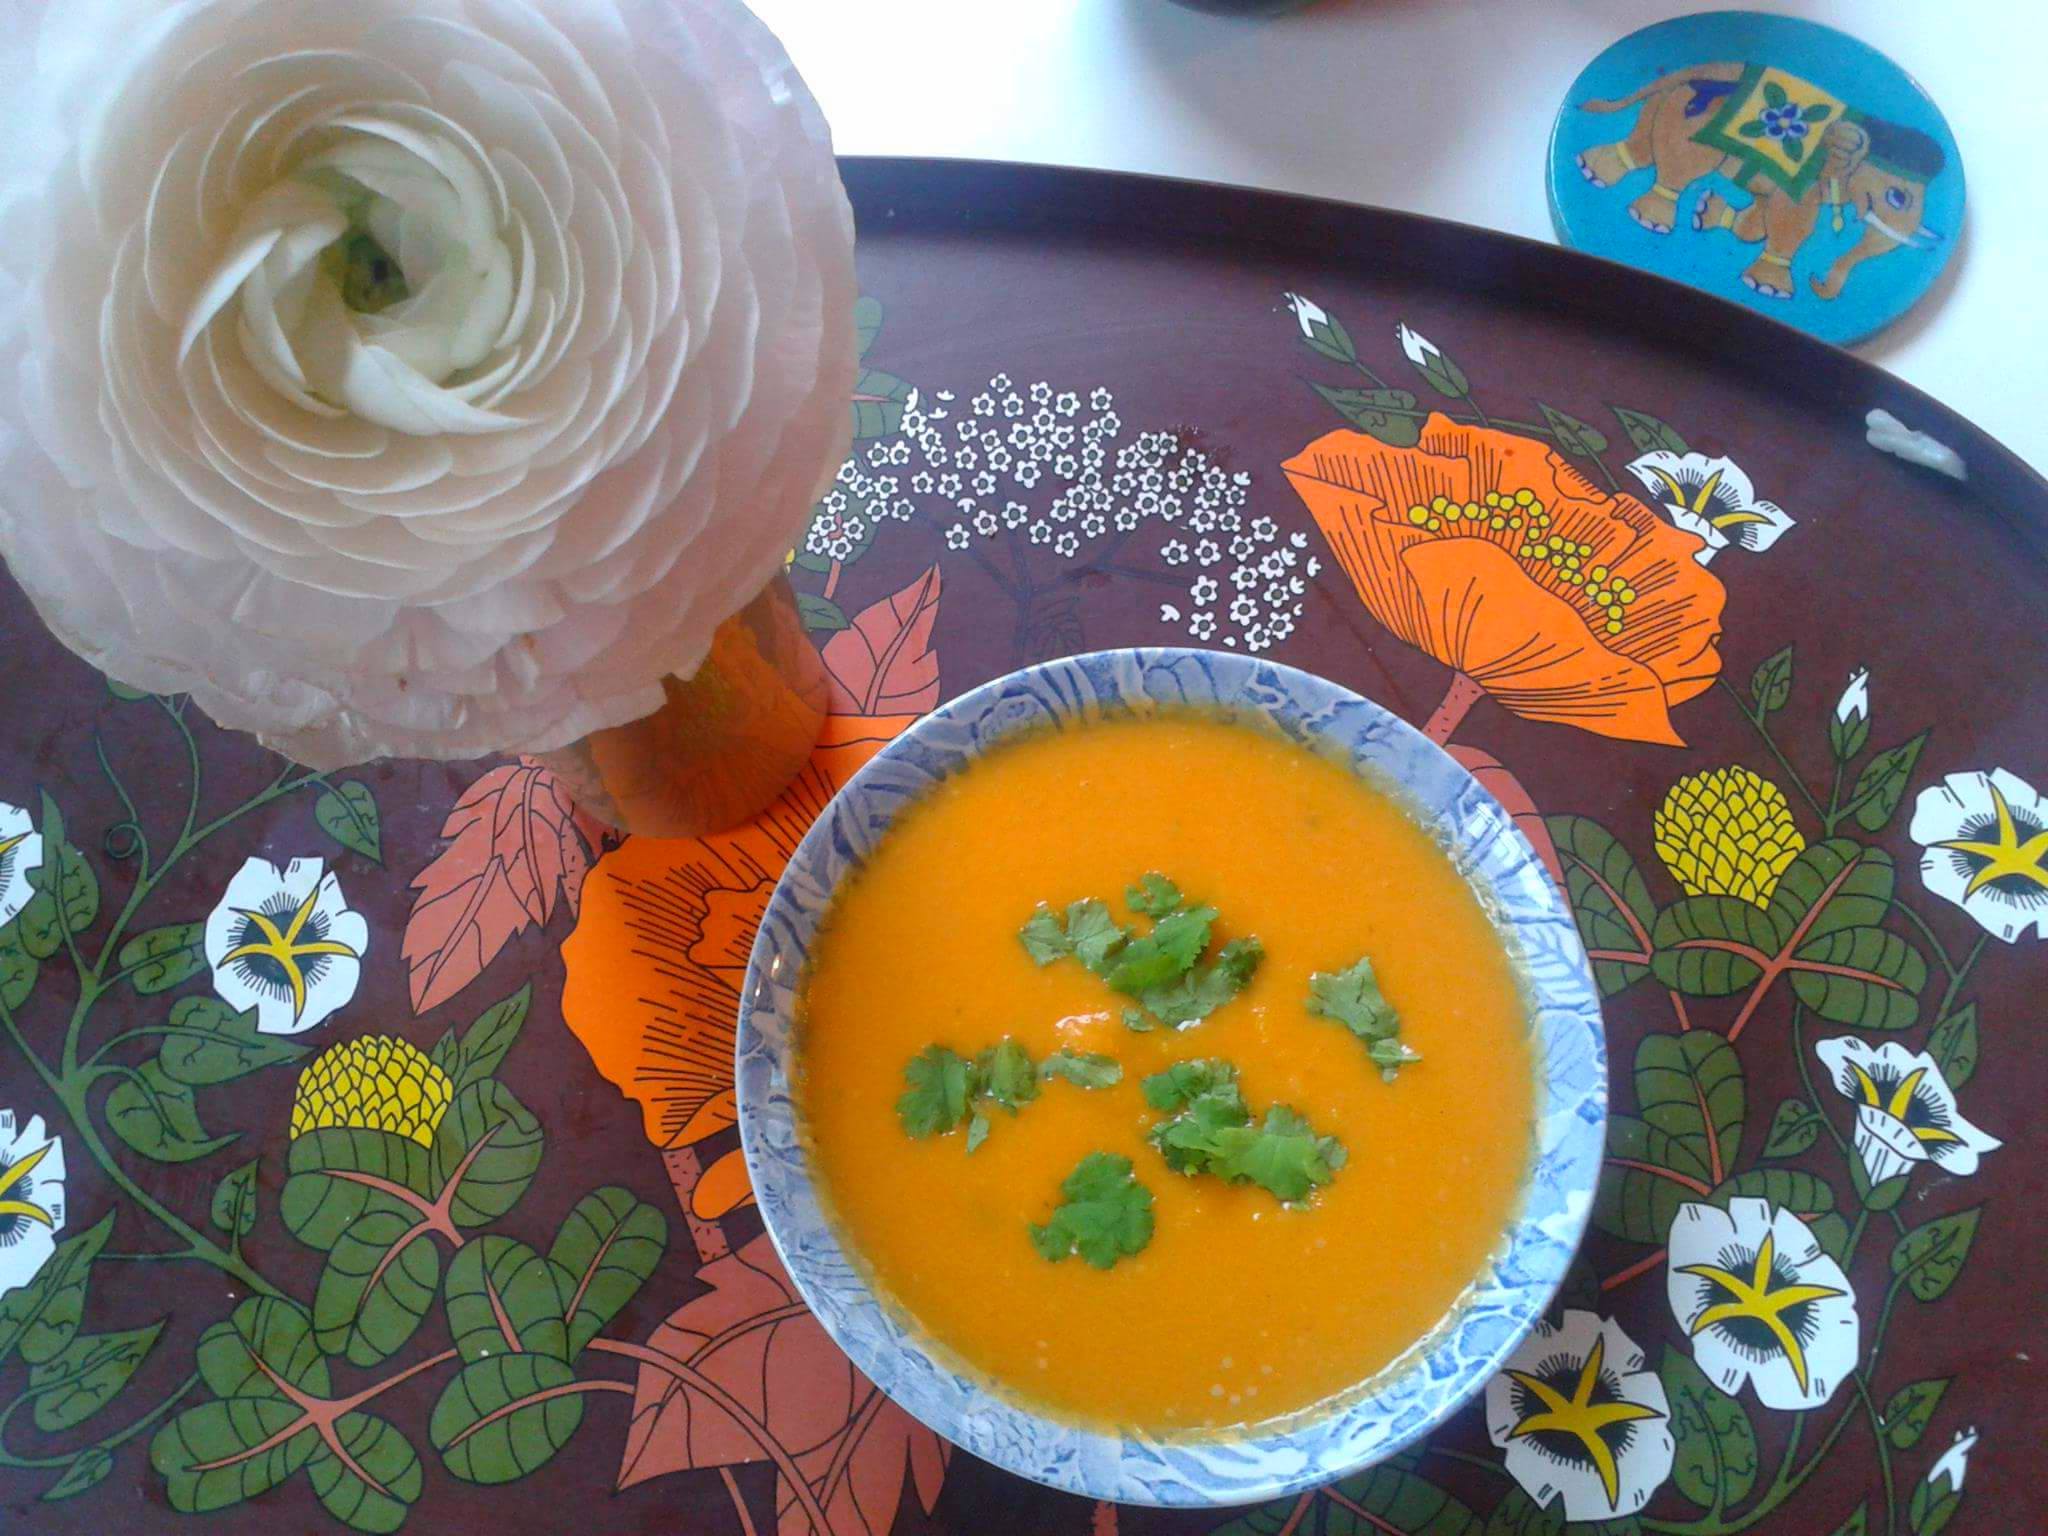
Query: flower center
column 376, row 278
column 1520, row 523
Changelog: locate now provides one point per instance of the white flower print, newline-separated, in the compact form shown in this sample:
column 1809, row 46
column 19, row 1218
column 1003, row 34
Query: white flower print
column 1314, row 567
column 1203, row 626
column 1952, row 1464
column 1264, row 529
column 1244, row 577
column 1126, row 519
column 984, row 484
column 1208, row 552
column 945, row 394
column 1012, row 407
column 31, row 1199
column 956, row 537
column 1984, row 846
column 1041, row 532
column 284, row 942
column 1712, row 498
column 1203, row 591
column 1026, row 475
column 1065, row 467
column 1174, row 552
column 1243, row 608
column 1168, row 614
column 1854, row 703
column 1093, row 527
column 1905, row 1110
column 1015, row 513
column 1761, row 1302
column 950, row 486
column 1202, row 521
column 1067, row 545
column 985, row 523
column 1100, row 399
column 1579, row 1414
column 999, row 383
column 1041, row 393
column 1067, row 402
column 983, row 405
column 21, row 855
column 1298, row 540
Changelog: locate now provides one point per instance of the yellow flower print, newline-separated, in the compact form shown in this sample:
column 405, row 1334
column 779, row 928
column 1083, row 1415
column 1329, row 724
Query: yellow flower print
column 375, row 1083
column 1727, row 832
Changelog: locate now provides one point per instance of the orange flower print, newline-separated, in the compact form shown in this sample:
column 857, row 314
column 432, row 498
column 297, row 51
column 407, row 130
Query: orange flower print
column 1485, row 549
column 660, row 946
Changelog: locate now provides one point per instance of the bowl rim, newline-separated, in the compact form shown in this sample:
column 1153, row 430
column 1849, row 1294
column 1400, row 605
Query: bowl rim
column 1418, row 1390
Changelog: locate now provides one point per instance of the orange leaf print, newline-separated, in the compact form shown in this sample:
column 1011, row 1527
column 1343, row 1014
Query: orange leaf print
column 744, row 1373
column 1486, row 550
column 517, row 846
column 884, row 661
column 660, row 946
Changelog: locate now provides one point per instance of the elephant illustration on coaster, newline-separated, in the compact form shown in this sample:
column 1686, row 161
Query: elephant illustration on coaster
column 1794, row 148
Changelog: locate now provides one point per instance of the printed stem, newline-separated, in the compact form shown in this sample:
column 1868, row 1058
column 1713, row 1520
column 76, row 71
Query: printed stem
column 1836, row 810
column 1757, row 722
column 1933, row 938
column 1685, row 1179
column 1458, row 699
column 1469, row 1459
column 1806, row 1079
column 739, row 1503
column 832, row 574
column 111, row 1442
column 1297, row 1514
column 1959, row 975
column 1855, row 1234
column 1782, row 961
column 1884, row 1455
column 737, row 1411
column 685, row 1167
column 1640, row 1267
column 1362, row 1512
column 198, row 1246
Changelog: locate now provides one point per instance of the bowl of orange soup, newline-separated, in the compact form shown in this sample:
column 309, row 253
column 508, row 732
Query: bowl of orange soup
column 1171, row 1077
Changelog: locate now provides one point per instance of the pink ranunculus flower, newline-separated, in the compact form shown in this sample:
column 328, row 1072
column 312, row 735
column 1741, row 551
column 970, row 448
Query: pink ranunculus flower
column 411, row 376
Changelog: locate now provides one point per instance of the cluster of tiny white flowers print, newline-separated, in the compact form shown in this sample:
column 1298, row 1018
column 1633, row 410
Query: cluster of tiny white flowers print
column 1053, row 465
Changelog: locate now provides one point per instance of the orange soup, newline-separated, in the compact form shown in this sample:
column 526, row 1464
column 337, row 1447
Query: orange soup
column 1240, row 1308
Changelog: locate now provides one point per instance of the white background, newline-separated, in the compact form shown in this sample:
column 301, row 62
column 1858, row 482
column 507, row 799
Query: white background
column 1438, row 106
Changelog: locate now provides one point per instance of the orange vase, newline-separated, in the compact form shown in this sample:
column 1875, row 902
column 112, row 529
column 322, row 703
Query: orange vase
column 725, row 743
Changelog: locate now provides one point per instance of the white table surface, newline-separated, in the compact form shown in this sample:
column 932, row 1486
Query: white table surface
column 1441, row 107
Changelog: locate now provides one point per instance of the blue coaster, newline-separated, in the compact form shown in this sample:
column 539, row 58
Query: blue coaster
column 1769, row 160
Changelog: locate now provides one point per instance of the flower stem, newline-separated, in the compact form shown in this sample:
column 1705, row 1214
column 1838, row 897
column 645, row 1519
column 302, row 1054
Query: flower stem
column 111, row 1442
column 1457, row 701
column 1884, row 1455
column 1764, row 731
column 1933, row 938
column 1959, row 975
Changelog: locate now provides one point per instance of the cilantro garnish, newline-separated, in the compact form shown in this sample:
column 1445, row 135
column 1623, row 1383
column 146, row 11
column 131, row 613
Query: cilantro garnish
column 940, row 1086
column 1199, row 992
column 947, row 1089
column 1088, row 933
column 1084, row 1069
column 1154, row 895
column 1162, row 969
column 1352, row 997
column 1165, row 953
column 1104, row 1215
column 1004, row 1073
column 1212, row 1132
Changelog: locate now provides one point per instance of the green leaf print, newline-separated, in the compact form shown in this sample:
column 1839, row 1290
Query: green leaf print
column 1953, row 1045
column 348, row 814
column 1929, row 1257
column 1690, row 1087
column 1770, row 685
column 1855, row 881
column 1882, row 783
column 1716, row 1460
column 381, row 1278
column 1868, row 977
column 490, row 1145
column 208, row 1042
column 1646, row 433
column 505, row 1416
column 1609, row 897
column 1687, row 958
column 234, row 1200
column 84, row 1376
column 1906, row 1415
column 495, row 1284
column 163, row 957
column 156, row 1115
column 1795, row 1127
column 318, row 1203
column 608, row 1246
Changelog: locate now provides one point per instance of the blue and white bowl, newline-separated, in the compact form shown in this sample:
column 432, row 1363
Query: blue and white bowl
column 1415, row 1393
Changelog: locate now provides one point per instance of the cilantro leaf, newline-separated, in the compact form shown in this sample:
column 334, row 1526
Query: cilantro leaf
column 1005, row 1073
column 1391, row 1055
column 1154, row 895
column 1093, row 933
column 1186, row 1081
column 1174, row 944
column 1193, row 1140
column 1105, row 1214
column 1200, row 992
column 977, row 1132
column 1042, row 936
column 1084, row 1069
column 1283, row 1156
column 940, row 1086
column 1136, row 1022
column 1352, row 997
